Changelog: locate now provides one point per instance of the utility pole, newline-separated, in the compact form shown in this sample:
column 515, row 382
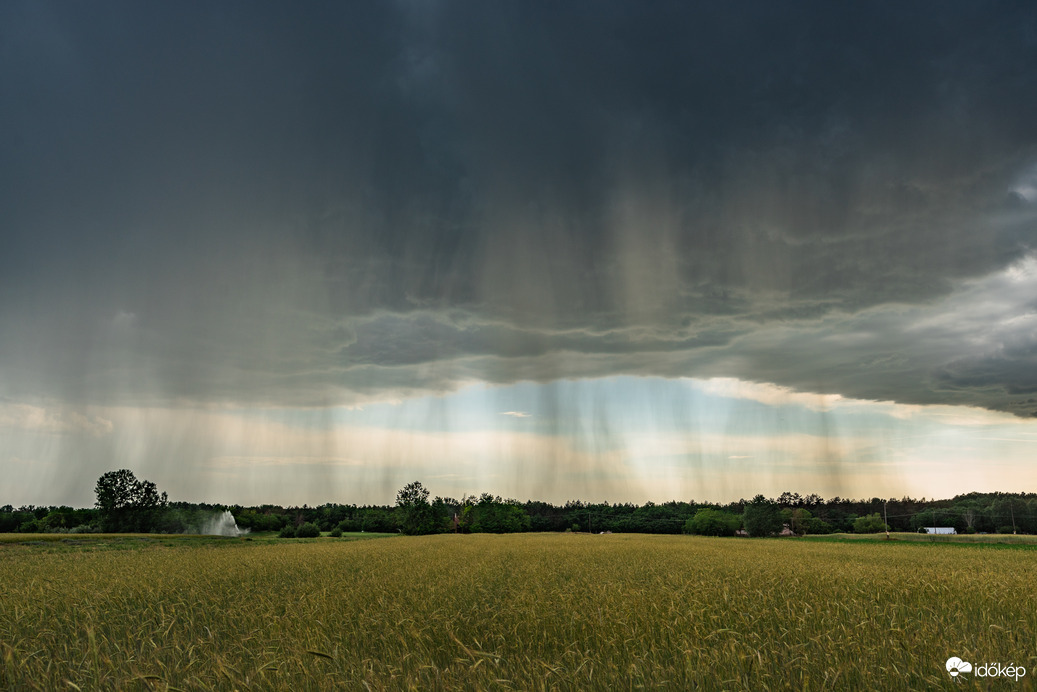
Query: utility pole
column 1011, row 508
column 885, row 519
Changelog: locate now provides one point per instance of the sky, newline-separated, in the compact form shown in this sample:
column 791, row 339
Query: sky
column 611, row 251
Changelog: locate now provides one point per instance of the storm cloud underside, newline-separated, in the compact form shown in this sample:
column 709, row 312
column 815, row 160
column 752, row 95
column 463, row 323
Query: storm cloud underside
column 254, row 204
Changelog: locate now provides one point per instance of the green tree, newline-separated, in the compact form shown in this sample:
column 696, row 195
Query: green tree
column 414, row 513
column 761, row 517
column 444, row 509
column 817, row 526
column 798, row 521
column 115, row 491
column 970, row 514
column 127, row 504
column 713, row 522
column 493, row 515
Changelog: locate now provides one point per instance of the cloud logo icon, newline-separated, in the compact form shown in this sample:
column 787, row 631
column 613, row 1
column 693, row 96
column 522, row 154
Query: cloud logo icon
column 955, row 665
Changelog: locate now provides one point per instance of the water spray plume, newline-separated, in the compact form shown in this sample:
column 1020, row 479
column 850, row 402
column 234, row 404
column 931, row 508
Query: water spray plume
column 223, row 524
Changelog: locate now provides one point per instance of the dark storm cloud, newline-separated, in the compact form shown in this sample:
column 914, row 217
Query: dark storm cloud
column 272, row 203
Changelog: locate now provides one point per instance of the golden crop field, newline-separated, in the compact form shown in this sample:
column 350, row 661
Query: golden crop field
column 525, row 612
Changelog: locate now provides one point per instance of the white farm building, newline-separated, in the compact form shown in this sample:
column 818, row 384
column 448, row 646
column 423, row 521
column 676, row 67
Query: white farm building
column 940, row 529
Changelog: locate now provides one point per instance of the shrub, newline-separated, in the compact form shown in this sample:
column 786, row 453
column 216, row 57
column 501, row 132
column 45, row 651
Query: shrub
column 287, row 532
column 871, row 523
column 336, row 532
column 308, row 530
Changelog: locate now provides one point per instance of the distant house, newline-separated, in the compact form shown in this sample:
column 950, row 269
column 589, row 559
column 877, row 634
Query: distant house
column 940, row 529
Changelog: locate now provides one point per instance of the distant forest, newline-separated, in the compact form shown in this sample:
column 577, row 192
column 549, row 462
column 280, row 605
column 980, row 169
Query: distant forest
column 125, row 504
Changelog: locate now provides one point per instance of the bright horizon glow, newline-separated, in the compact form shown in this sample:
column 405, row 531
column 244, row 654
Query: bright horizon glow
column 618, row 439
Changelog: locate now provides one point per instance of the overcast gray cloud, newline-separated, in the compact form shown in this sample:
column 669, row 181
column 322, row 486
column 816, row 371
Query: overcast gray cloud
column 301, row 205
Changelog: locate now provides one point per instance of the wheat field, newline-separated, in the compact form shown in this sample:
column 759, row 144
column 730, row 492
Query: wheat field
column 524, row 612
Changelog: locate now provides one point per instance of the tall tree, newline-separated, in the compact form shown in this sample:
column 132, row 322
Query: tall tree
column 125, row 503
column 115, row 491
column 761, row 517
column 413, row 511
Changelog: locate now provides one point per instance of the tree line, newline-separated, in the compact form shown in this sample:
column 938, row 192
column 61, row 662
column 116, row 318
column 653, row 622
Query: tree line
column 126, row 504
